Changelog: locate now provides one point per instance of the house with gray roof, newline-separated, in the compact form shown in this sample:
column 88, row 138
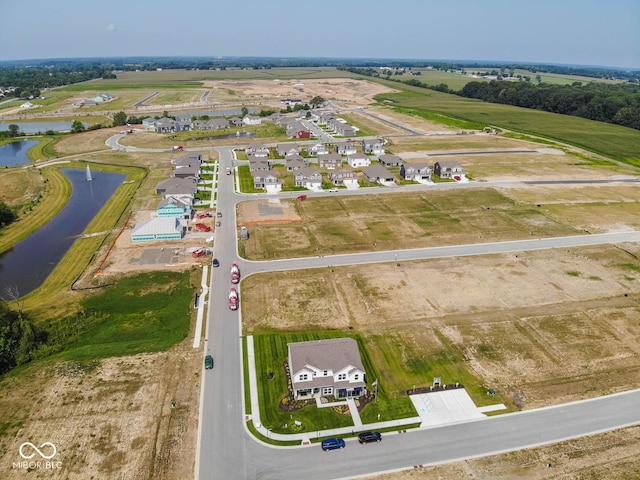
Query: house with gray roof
column 257, row 149
column 343, row 177
column 295, row 162
column 415, row 171
column 165, row 125
column 159, row 228
column 183, row 123
column 345, row 148
column 330, row 367
column 190, row 159
column 378, row 174
column 286, row 149
column 317, row 149
column 375, row 146
column 448, row 169
column 187, row 172
column 309, row 178
column 259, row 164
column 389, row 160
column 330, row 161
column 251, row 120
column 267, row 180
column 174, row 207
column 182, row 188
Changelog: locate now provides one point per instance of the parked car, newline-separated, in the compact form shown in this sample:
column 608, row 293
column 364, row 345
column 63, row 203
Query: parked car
column 218, row 224
column 333, row 190
column 215, row 262
column 369, row 437
column 202, row 227
column 208, row 362
column 332, row 444
column 219, row 214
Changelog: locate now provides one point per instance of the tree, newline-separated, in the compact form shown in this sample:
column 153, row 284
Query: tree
column 77, row 127
column 317, row 101
column 245, row 111
column 7, row 215
column 119, row 119
column 14, row 130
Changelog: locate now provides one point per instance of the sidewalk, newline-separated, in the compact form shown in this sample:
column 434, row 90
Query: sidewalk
column 305, row 437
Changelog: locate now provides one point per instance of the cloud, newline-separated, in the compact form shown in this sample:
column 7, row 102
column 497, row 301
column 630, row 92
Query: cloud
column 111, row 26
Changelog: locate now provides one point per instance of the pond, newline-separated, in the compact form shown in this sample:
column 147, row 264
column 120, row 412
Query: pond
column 15, row 153
column 26, row 266
column 40, row 127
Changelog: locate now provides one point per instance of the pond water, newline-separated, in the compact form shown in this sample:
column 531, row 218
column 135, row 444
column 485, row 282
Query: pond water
column 26, row 266
column 15, row 153
column 40, row 127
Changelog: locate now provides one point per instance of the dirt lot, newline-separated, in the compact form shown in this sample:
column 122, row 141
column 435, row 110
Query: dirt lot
column 127, row 418
column 345, row 92
column 606, row 456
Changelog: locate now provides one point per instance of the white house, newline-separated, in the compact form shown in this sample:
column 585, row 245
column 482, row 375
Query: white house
column 331, row 367
column 358, row 160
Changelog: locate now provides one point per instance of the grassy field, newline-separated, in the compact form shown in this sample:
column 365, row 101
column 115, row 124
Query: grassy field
column 615, row 141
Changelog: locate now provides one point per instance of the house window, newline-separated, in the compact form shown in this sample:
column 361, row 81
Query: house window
column 342, row 376
column 304, row 376
column 327, row 390
column 326, row 372
column 356, row 376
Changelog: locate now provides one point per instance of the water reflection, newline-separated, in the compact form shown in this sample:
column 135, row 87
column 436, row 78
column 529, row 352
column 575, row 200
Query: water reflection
column 15, row 153
column 27, row 265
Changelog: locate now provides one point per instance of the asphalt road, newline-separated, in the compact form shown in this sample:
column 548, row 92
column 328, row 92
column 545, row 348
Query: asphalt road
column 227, row 451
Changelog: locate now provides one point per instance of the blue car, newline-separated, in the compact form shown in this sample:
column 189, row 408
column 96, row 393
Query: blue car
column 332, row 444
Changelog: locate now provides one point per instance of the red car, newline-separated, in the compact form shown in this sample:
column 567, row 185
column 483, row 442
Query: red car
column 202, row 227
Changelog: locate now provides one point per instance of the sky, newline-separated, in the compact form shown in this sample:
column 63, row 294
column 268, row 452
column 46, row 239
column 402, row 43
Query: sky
column 575, row 32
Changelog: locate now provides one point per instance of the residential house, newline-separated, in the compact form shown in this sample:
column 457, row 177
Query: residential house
column 324, row 118
column 343, row 177
column 251, row 120
column 309, row 178
column 181, row 188
column 183, row 123
column 415, row 171
column 330, row 367
column 257, row 150
column 377, row 173
column 375, row 147
column 26, row 105
column 286, row 149
column 259, row 164
column 389, row 160
column 295, row 162
column 448, row 169
column 103, row 97
column 345, row 148
column 344, row 130
column 212, row 124
column 187, row 172
column 330, row 161
column 159, row 228
column 191, row 159
column 165, row 125
column 174, row 207
column 236, row 122
column 267, row 180
column 358, row 160
column 317, row 149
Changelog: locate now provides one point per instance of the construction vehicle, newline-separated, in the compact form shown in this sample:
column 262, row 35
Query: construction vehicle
column 233, row 299
column 235, row 273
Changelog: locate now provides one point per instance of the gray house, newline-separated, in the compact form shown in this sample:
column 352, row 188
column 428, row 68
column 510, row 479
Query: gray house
column 268, row 181
column 340, row 177
column 377, row 173
column 165, row 125
column 308, row 177
column 295, row 162
column 259, row 164
column 389, row 160
column 330, row 161
column 373, row 146
column 187, row 172
column 345, row 148
column 415, row 171
column 330, row 367
column 181, row 188
column 448, row 169
column 286, row 149
column 257, row 149
column 190, row 159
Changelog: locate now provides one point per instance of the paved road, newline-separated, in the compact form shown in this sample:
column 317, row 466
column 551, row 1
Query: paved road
column 228, row 451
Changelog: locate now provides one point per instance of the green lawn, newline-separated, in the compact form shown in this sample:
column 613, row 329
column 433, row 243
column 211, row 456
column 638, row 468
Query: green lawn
column 144, row 313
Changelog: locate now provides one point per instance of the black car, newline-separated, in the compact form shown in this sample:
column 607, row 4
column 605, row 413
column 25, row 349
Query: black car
column 216, row 263
column 219, row 214
column 208, row 362
column 369, row 437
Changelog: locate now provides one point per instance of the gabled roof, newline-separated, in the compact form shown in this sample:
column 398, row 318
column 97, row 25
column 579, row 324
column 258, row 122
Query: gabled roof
column 173, row 201
column 307, row 172
column 158, row 226
column 377, row 171
column 329, row 157
column 332, row 354
column 449, row 163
